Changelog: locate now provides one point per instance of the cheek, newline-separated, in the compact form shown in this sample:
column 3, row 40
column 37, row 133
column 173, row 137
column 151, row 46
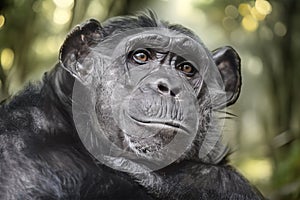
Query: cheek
column 109, row 93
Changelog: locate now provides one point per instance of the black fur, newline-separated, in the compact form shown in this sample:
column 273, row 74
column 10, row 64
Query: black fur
column 42, row 157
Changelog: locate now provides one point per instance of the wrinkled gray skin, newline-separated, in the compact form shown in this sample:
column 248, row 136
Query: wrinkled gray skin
column 106, row 125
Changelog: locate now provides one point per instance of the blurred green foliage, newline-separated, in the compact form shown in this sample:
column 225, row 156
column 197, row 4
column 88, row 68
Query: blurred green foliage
column 266, row 33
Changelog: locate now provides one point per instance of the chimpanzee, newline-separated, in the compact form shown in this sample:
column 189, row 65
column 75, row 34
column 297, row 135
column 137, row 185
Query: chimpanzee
column 129, row 112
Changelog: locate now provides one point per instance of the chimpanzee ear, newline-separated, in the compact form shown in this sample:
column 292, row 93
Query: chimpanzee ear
column 76, row 48
column 229, row 65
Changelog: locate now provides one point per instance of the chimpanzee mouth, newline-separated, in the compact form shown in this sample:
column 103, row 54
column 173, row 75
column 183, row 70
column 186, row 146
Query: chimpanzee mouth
column 172, row 124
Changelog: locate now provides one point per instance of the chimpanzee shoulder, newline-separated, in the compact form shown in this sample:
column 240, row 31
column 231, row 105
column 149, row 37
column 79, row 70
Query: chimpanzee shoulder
column 206, row 181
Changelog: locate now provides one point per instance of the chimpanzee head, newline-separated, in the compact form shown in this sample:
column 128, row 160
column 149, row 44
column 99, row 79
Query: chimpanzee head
column 147, row 90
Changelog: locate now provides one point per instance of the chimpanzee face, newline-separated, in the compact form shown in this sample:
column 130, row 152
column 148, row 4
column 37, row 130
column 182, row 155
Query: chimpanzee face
column 148, row 93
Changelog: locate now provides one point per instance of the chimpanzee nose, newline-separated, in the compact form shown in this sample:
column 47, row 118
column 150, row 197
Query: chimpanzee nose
column 167, row 87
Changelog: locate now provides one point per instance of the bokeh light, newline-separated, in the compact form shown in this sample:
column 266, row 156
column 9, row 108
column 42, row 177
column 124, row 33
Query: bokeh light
column 7, row 58
column 263, row 7
column 244, row 9
column 61, row 16
column 249, row 23
column 257, row 15
column 184, row 8
column 280, row 29
column 253, row 14
column 2, row 21
column 62, row 13
column 64, row 4
column 231, row 11
column 96, row 9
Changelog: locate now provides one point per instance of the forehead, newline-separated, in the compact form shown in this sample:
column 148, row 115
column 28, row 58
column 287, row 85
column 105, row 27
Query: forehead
column 163, row 39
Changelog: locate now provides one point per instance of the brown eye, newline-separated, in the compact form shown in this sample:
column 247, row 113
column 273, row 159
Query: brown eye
column 186, row 68
column 141, row 56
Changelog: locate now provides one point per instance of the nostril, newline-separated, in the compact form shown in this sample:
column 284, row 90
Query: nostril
column 172, row 93
column 162, row 88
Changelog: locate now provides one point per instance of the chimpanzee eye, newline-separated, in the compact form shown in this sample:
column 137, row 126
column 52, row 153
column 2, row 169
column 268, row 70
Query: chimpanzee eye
column 187, row 68
column 141, row 56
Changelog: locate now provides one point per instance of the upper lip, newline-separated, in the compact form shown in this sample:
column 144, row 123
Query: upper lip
column 172, row 123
